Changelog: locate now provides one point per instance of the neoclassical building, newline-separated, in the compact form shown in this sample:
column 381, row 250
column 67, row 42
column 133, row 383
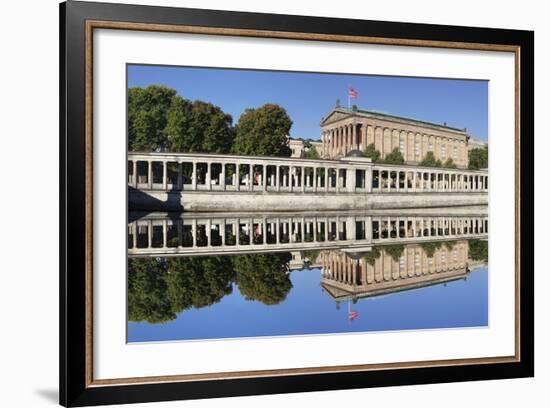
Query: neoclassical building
column 343, row 130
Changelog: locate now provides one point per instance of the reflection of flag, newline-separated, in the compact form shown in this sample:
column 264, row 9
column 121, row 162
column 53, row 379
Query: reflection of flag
column 352, row 93
column 353, row 315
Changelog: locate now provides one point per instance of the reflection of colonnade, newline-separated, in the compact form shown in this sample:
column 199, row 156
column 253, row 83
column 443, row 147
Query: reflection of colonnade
column 225, row 234
column 392, row 269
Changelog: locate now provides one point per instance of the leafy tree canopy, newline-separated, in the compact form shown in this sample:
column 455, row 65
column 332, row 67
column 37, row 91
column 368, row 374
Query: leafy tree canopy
column 430, row 161
column 478, row 158
column 263, row 132
column 158, row 118
column 147, row 113
column 147, row 300
column 310, row 151
column 395, row 157
column 372, row 153
column 449, row 163
column 198, row 127
column 263, row 277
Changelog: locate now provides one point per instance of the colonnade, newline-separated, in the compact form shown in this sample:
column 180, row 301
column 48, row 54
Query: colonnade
column 201, row 172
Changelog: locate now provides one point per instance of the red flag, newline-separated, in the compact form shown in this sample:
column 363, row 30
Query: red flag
column 353, row 315
column 352, row 93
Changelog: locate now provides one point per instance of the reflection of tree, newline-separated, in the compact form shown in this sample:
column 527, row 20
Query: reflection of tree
column 394, row 251
column 311, row 255
column 198, row 282
column 430, row 247
column 371, row 256
column 159, row 289
column 478, row 250
column 263, row 277
column 147, row 287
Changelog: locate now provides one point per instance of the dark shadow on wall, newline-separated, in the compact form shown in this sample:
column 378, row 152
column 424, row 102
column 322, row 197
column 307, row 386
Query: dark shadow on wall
column 141, row 201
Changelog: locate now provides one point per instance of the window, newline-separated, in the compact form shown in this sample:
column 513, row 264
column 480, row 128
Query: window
column 443, row 151
column 431, row 147
column 454, row 152
column 417, row 149
column 402, row 145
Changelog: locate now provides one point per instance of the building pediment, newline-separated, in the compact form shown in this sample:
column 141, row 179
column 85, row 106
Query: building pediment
column 334, row 116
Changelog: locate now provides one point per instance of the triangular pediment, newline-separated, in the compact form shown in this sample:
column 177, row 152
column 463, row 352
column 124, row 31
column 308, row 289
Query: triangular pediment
column 334, row 116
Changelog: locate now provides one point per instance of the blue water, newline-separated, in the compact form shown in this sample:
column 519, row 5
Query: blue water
column 309, row 310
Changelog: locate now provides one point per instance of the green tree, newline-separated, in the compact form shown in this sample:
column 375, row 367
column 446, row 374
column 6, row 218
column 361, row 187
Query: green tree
column 478, row 158
column 372, row 153
column 430, row 161
column 199, row 127
column 147, row 300
column 147, row 113
column 310, row 152
column 158, row 118
column 478, row 250
column 449, row 163
column 395, row 157
column 263, row 132
column 263, row 277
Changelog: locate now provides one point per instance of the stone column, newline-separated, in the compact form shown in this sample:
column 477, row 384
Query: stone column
column 149, row 234
column 368, row 179
column 134, row 170
column 194, row 177
column 180, row 176
column 238, row 177
column 290, row 177
column 164, row 174
column 302, row 178
column 277, row 178
column 350, row 180
column 354, row 136
column 250, row 177
column 209, row 176
column 398, row 178
column 134, row 235
column 149, row 174
column 222, row 177
column 164, row 234
column 326, row 178
column 264, row 177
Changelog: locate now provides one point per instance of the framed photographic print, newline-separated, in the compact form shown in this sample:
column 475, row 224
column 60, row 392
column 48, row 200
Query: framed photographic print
column 255, row 203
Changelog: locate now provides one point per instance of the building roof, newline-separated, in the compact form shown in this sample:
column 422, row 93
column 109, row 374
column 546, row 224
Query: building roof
column 387, row 116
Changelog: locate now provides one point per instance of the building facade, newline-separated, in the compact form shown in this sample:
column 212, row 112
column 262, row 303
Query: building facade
column 343, row 130
column 299, row 146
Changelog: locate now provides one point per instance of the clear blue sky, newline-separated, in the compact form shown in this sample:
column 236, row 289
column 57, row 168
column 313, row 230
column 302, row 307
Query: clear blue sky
column 308, row 97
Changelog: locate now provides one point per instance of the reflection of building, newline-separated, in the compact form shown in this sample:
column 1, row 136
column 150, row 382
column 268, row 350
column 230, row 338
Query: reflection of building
column 343, row 130
column 392, row 269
